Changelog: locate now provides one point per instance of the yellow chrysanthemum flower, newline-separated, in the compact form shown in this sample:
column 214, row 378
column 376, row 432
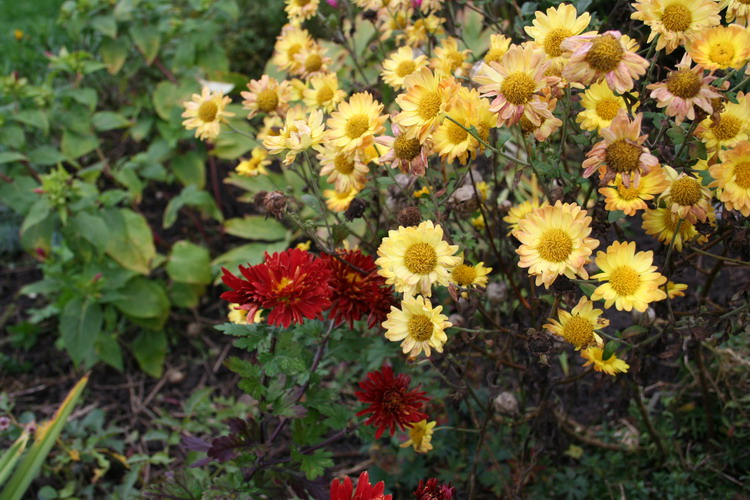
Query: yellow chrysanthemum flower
column 608, row 56
column 468, row 276
column 312, row 60
column 518, row 212
column 554, row 241
column 631, row 281
column 290, row 42
column 448, row 60
column 422, row 106
column 299, row 10
column 304, row 246
column 578, row 327
column 272, row 125
column 419, row 32
column 721, row 47
column 551, row 28
column 611, row 366
column 633, row 198
column 452, row 141
column 600, row 106
column 324, row 93
column 401, row 64
column 547, row 126
column 676, row 22
column 205, row 112
column 662, row 224
column 420, row 326
column 239, row 316
column 478, row 222
column 732, row 127
column 421, row 192
column 515, row 83
column 737, row 11
column 343, row 168
column 339, row 202
column 412, row 259
column 267, row 95
column 355, row 122
column 420, row 436
column 676, row 289
column 686, row 196
column 733, row 178
column 499, row 45
column 256, row 165
column 299, row 133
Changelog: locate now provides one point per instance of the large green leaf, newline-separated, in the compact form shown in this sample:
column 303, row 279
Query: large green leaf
column 149, row 349
column 92, row 228
column 168, row 97
column 256, row 227
column 190, row 168
column 109, row 120
column 191, row 196
column 75, row 145
column 114, row 52
column 34, row 117
column 10, row 156
column 189, row 263
column 106, row 25
column 80, row 325
column 147, row 39
column 45, row 155
column 143, row 298
column 131, row 243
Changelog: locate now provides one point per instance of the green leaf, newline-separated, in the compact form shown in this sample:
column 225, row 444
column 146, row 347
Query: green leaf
column 34, row 117
column 615, row 215
column 11, row 156
column 109, row 351
column 190, row 168
column 185, row 295
column 191, row 196
column 587, row 288
column 313, row 464
column 114, row 53
column 46, row 155
column 147, row 39
column 131, row 242
column 80, row 324
column 92, row 228
column 38, row 212
column 150, row 349
column 256, row 227
column 108, row 120
column 75, row 145
column 106, row 25
column 11, row 456
column 251, row 335
column 609, row 350
column 143, row 298
column 189, row 263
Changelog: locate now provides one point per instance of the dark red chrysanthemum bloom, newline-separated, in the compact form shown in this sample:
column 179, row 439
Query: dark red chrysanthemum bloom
column 292, row 284
column 356, row 294
column 342, row 489
column 391, row 402
column 434, row 490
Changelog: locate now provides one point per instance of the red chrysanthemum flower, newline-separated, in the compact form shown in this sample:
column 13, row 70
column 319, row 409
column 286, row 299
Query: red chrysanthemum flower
column 342, row 489
column 434, row 490
column 292, row 284
column 355, row 294
column 391, row 402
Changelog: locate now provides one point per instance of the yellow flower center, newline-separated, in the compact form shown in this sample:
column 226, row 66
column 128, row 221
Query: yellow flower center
column 455, row 133
column 578, row 331
column 429, row 105
column 357, row 125
column 626, row 193
column 494, row 55
column 420, row 327
column 324, row 95
column 555, row 245
column 293, row 50
column 553, row 40
column 406, row 149
column 420, row 258
column 623, row 156
column 605, row 53
column 417, row 434
column 281, row 285
column 726, row 128
column 343, row 164
column 684, row 83
column 267, row 100
column 607, row 108
column 676, row 17
column 742, row 173
column 313, row 63
column 302, row 3
column 686, row 191
column 406, row 68
column 207, row 111
column 464, row 275
column 455, row 59
column 518, row 88
column 722, row 53
column 624, row 280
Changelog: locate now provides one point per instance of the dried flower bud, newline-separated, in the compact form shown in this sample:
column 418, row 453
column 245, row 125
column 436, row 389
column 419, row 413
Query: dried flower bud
column 275, row 204
column 506, row 403
column 259, row 197
column 356, row 209
column 563, row 284
column 555, row 194
column 457, row 319
column 538, row 342
column 705, row 228
column 497, row 292
column 409, row 216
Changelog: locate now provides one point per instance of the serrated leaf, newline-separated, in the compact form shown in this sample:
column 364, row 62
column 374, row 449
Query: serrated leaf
column 313, row 464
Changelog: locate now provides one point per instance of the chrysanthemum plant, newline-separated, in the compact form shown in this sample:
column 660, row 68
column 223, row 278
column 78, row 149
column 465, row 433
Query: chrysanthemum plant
column 489, row 207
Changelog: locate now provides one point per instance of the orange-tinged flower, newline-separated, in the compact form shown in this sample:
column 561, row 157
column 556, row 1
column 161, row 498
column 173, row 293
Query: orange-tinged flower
column 448, row 60
column 267, row 96
column 453, row 141
column 729, row 128
column 686, row 196
column 596, row 57
column 662, row 224
column 404, row 152
column 499, row 45
column 423, row 105
column 732, row 176
column 631, row 199
column 721, row 47
column 737, row 11
column 676, row 22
